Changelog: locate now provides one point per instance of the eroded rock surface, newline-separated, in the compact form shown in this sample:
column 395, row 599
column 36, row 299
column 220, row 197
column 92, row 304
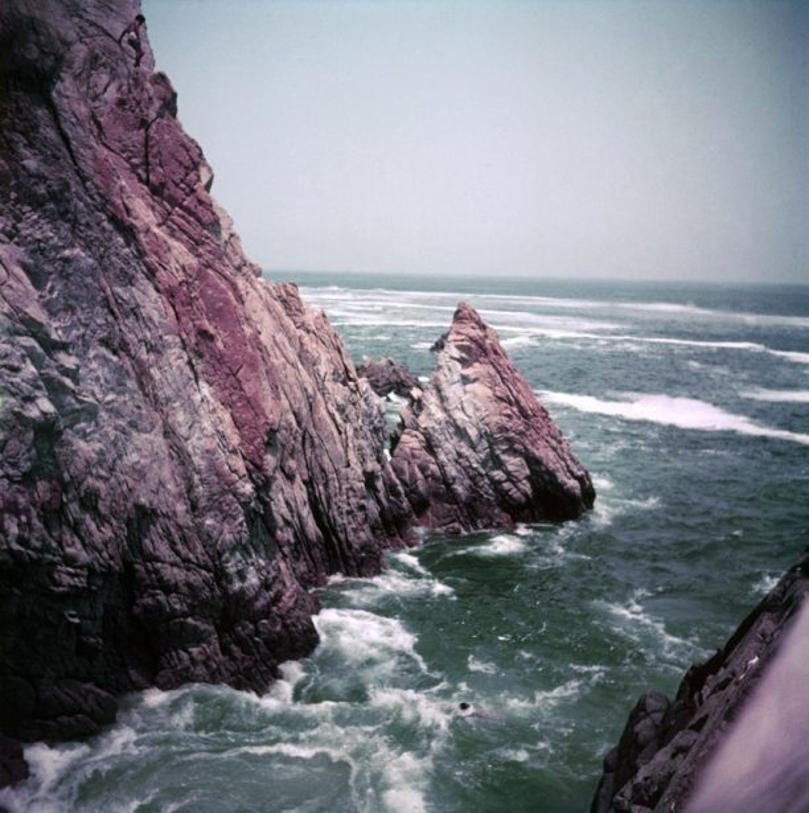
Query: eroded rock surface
column 184, row 449
column 387, row 376
column 477, row 450
column 666, row 746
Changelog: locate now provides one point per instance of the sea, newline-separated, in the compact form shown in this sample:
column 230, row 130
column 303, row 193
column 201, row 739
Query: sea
column 688, row 403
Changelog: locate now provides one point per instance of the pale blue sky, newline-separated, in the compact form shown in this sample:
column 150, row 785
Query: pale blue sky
column 600, row 138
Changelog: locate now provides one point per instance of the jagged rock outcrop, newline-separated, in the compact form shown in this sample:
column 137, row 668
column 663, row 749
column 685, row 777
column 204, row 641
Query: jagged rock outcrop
column 476, row 449
column 387, row 376
column 666, row 746
column 184, row 449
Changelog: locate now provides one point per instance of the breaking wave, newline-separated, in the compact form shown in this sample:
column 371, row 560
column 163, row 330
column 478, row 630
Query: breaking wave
column 685, row 413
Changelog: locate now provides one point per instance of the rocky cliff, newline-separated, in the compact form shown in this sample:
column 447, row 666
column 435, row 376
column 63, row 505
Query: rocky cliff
column 666, row 746
column 185, row 450
column 477, row 450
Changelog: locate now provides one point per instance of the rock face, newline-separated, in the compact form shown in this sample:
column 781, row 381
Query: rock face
column 666, row 746
column 477, row 450
column 184, row 449
column 387, row 376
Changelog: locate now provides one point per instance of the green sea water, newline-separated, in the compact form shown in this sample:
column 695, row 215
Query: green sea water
column 690, row 407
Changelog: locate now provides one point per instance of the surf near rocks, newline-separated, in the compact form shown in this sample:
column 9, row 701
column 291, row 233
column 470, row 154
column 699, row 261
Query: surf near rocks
column 665, row 759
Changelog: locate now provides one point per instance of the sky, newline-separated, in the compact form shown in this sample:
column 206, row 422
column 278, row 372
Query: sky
column 554, row 138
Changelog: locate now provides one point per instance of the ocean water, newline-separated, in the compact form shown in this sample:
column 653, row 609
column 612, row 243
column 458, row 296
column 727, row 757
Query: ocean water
column 690, row 407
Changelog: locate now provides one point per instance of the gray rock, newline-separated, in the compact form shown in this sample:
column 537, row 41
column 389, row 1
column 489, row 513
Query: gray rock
column 477, row 450
column 387, row 376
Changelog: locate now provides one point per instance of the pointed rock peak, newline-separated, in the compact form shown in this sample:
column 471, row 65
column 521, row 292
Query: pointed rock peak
column 477, row 450
column 470, row 336
column 466, row 315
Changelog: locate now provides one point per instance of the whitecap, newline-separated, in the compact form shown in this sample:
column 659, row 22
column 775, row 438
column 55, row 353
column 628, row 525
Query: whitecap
column 606, row 509
column 638, row 625
column 685, row 413
column 364, row 639
column 514, row 754
column 602, row 483
column 687, row 309
column 521, row 340
column 777, row 396
column 406, row 777
column 766, row 583
column 486, row 667
column 413, row 707
column 283, row 690
column 393, row 583
column 547, row 699
column 500, row 545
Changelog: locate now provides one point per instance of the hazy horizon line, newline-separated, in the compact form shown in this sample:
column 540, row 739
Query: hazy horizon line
column 789, row 283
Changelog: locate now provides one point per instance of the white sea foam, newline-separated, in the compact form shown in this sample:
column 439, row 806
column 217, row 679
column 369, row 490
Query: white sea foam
column 383, row 296
column 486, row 667
column 602, row 483
column 406, row 779
column 411, row 562
column 413, row 707
column 686, row 413
column 521, row 340
column 777, row 396
column 283, row 690
column 607, row 508
column 500, row 545
column 364, row 639
column 638, row 625
column 392, row 583
column 765, row 584
column 514, row 754
column 546, row 700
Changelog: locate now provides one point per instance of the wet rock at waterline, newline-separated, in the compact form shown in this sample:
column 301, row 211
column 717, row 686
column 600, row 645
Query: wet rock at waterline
column 186, row 450
column 477, row 450
column 667, row 748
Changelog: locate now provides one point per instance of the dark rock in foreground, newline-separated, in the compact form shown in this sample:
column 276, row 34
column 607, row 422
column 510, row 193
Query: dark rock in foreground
column 13, row 767
column 477, row 450
column 184, row 449
column 387, row 376
column 665, row 747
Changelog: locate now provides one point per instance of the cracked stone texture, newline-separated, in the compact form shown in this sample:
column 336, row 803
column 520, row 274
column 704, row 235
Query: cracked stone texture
column 387, row 376
column 477, row 450
column 184, row 449
column 665, row 745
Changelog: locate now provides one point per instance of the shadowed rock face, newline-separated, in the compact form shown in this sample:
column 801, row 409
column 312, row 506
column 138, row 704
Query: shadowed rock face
column 665, row 747
column 387, row 376
column 184, row 449
column 477, row 450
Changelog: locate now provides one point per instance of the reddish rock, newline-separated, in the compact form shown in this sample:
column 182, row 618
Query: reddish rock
column 477, row 450
column 184, row 449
